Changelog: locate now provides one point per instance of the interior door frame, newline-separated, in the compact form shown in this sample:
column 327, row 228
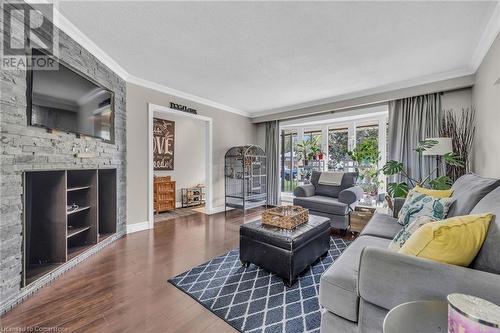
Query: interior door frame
column 154, row 108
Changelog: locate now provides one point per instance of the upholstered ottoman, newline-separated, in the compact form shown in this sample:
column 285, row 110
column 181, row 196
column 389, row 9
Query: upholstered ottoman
column 284, row 252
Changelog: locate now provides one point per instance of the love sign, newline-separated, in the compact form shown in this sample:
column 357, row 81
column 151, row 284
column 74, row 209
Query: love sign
column 163, row 144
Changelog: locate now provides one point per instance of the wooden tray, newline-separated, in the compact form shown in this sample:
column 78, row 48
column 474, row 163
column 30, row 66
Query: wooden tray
column 285, row 217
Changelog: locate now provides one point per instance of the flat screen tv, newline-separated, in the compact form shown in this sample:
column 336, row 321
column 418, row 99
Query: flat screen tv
column 67, row 100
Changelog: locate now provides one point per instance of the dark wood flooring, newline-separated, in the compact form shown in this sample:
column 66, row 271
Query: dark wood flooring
column 124, row 288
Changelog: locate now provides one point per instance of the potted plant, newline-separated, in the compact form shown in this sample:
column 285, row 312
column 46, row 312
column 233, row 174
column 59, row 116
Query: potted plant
column 307, row 149
column 366, row 156
column 400, row 189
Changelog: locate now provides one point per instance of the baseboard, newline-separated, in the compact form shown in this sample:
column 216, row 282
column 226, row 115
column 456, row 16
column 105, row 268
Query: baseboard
column 29, row 290
column 219, row 209
column 131, row 228
column 287, row 197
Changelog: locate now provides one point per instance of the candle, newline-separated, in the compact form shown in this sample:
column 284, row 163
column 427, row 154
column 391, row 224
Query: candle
column 469, row 314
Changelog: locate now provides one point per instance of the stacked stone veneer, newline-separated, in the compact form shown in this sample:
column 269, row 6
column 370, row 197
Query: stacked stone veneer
column 26, row 148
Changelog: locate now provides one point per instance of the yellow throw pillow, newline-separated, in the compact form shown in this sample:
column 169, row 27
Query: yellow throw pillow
column 434, row 193
column 455, row 241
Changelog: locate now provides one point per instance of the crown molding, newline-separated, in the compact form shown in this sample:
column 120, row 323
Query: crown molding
column 76, row 34
column 61, row 22
column 490, row 32
column 464, row 72
column 193, row 98
column 374, row 98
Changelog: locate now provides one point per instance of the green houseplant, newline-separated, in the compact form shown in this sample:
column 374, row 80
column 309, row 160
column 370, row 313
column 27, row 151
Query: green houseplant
column 400, row 189
column 307, row 149
column 366, row 156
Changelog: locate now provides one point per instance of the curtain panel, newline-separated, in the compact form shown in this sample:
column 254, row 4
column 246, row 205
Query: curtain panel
column 272, row 162
column 412, row 120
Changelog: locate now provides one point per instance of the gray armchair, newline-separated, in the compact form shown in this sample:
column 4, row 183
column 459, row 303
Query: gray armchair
column 334, row 202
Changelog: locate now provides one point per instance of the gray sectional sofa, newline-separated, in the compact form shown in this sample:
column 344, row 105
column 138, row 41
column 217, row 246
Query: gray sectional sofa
column 368, row 280
column 333, row 202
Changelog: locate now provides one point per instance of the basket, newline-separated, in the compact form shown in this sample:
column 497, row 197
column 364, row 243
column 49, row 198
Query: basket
column 285, row 217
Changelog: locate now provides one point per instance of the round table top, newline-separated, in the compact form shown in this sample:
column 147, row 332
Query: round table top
column 418, row 317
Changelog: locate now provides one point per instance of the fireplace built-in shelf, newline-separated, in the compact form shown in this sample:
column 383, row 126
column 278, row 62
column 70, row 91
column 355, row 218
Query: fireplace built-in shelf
column 66, row 212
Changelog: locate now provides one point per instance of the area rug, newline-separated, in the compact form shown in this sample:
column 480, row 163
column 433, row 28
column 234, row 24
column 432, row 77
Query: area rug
column 253, row 300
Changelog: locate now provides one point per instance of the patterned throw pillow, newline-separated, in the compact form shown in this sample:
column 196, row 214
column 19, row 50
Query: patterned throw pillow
column 418, row 204
column 405, row 233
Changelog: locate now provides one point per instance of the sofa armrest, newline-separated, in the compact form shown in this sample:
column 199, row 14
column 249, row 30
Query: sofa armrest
column 306, row 190
column 398, row 204
column 351, row 195
column 387, row 279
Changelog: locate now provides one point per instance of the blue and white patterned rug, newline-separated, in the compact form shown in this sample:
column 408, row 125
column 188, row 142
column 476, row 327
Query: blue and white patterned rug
column 253, row 300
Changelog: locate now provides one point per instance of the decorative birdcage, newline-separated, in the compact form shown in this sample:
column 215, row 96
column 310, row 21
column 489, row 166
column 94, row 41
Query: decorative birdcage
column 245, row 177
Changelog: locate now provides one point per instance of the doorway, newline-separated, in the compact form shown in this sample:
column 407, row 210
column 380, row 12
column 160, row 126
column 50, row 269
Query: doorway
column 158, row 111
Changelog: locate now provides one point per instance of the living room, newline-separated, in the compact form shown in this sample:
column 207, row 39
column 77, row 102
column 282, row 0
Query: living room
column 267, row 166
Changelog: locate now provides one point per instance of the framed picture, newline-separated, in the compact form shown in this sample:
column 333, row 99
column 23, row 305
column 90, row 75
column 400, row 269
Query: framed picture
column 163, row 144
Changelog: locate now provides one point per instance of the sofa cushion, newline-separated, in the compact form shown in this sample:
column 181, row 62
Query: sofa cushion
column 348, row 180
column 488, row 258
column 419, row 204
column 339, row 283
column 382, row 225
column 468, row 190
column 454, row 241
column 323, row 204
column 404, row 234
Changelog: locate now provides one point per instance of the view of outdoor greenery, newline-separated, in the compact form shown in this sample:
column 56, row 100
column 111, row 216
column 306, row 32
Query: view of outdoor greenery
column 338, row 146
column 338, row 151
column 366, row 132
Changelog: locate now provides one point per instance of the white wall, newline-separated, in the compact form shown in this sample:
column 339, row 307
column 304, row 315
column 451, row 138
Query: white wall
column 486, row 99
column 189, row 152
column 457, row 100
column 229, row 130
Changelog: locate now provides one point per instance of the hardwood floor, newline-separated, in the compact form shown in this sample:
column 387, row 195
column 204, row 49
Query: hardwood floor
column 124, row 288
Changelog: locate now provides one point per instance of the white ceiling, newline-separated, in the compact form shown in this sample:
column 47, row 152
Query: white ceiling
column 263, row 57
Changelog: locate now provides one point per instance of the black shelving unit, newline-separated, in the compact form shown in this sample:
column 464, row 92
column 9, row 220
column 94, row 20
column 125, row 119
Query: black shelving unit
column 65, row 213
column 245, row 177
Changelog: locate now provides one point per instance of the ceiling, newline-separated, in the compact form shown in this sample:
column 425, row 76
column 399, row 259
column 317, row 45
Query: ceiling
column 265, row 57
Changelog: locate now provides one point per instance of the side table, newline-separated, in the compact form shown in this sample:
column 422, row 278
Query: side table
column 418, row 317
column 362, row 215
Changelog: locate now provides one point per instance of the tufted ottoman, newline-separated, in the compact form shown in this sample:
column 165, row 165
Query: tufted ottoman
column 284, row 252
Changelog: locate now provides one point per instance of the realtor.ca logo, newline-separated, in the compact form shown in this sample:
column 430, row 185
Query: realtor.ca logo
column 27, row 27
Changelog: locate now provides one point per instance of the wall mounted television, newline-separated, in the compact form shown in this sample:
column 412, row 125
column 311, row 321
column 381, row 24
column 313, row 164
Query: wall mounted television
column 67, row 100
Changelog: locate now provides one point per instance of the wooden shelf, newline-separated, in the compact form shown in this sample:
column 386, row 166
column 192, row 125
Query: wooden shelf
column 36, row 271
column 81, row 209
column 103, row 236
column 55, row 234
column 75, row 231
column 72, row 189
column 76, row 250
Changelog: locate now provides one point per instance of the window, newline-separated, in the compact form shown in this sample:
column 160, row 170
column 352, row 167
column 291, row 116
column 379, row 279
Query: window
column 338, row 146
column 366, row 132
column 289, row 160
column 312, row 134
column 336, row 140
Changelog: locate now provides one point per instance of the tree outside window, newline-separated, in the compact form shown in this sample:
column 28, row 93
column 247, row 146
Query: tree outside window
column 338, row 147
